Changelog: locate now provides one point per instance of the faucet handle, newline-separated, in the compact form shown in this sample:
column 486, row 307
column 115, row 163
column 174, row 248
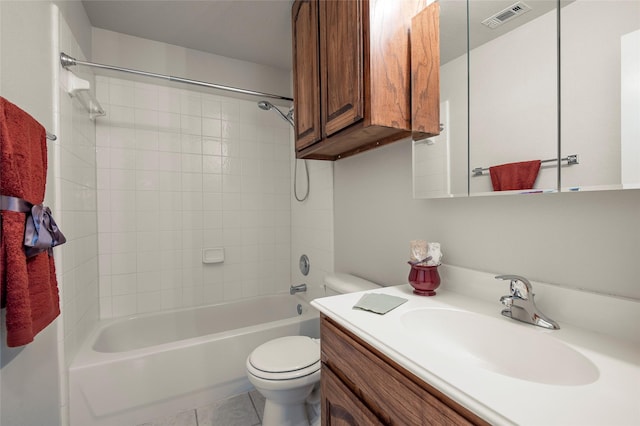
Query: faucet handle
column 507, row 301
column 519, row 286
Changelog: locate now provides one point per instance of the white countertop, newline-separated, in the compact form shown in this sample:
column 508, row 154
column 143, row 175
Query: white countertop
column 611, row 399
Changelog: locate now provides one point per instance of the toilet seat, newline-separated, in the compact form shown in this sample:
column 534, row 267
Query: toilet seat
column 285, row 358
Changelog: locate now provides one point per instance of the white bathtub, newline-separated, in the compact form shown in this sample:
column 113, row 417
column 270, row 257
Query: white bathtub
column 133, row 370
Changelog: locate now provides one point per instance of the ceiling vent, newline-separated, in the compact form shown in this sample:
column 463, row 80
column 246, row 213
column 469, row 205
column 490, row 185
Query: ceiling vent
column 505, row 15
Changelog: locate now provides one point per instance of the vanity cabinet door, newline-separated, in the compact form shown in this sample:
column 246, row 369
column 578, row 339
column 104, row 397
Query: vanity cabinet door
column 394, row 395
column 306, row 85
column 340, row 406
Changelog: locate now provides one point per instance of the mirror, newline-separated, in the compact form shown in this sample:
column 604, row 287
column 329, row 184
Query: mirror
column 440, row 163
column 597, row 102
column 513, row 101
column 600, row 94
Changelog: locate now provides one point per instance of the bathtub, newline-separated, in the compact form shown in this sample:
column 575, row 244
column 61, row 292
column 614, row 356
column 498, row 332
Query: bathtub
column 136, row 369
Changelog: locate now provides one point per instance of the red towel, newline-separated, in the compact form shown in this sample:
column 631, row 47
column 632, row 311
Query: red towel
column 28, row 287
column 514, row 176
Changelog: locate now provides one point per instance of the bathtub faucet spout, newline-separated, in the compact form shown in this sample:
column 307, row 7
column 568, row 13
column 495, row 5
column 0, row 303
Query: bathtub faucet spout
column 297, row 288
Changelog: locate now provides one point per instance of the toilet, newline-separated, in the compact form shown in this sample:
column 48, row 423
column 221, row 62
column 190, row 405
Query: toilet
column 286, row 370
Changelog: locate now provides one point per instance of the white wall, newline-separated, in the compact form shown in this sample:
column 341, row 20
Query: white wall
column 312, row 226
column 29, row 374
column 34, row 377
column 581, row 240
column 133, row 52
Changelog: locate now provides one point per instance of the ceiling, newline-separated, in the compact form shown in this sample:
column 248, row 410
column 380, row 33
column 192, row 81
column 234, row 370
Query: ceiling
column 251, row 30
column 260, row 30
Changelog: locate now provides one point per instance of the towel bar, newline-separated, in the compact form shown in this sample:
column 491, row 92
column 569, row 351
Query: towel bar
column 570, row 159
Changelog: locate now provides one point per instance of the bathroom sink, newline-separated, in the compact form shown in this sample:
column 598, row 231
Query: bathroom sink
column 510, row 349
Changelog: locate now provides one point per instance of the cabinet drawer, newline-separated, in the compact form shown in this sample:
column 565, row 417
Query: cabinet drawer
column 394, row 394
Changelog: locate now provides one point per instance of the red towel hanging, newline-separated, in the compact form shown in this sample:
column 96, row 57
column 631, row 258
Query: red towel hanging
column 28, row 287
column 514, row 176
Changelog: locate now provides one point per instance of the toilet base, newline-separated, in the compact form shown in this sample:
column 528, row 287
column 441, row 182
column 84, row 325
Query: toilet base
column 278, row 414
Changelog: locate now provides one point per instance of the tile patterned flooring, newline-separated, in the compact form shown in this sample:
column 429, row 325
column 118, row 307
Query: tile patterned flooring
column 241, row 410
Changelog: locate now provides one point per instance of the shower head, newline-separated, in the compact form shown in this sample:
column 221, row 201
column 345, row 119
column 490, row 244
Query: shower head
column 266, row 105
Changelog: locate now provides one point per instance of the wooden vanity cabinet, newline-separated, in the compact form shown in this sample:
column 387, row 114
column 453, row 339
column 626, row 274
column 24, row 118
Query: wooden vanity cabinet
column 361, row 386
column 352, row 75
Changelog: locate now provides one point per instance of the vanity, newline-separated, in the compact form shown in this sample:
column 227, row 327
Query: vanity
column 361, row 385
column 453, row 359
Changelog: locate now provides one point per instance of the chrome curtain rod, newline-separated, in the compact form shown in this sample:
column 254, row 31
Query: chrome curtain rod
column 67, row 61
column 51, row 136
column 570, row 159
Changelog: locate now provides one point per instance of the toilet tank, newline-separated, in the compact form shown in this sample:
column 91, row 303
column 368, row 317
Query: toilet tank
column 345, row 283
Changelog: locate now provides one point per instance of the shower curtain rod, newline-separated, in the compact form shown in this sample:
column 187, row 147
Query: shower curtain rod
column 66, row 61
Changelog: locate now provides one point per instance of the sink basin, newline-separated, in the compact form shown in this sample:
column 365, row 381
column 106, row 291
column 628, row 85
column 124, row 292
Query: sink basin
column 494, row 344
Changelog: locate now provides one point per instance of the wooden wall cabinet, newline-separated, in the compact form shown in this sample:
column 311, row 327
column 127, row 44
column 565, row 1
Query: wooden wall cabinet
column 352, row 72
column 361, row 386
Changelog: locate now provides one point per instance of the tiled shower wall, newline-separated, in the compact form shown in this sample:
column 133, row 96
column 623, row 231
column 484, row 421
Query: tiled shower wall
column 74, row 165
column 179, row 171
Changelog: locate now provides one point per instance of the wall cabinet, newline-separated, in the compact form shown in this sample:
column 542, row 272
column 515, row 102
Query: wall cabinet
column 352, row 72
column 360, row 385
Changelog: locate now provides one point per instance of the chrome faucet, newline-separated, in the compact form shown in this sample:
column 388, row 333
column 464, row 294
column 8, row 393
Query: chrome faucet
column 297, row 288
column 520, row 304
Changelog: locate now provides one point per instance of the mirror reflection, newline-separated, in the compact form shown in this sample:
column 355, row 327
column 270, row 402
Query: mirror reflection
column 600, row 93
column 440, row 163
column 515, row 102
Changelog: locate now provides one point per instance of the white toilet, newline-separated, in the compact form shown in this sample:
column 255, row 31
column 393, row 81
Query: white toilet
column 286, row 371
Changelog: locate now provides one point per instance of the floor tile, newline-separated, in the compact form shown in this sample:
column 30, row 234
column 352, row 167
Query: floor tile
column 258, row 402
column 235, row 411
column 184, row 418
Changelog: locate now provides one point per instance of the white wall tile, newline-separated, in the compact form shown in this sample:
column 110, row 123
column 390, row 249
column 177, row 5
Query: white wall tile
column 212, row 182
column 169, row 122
column 124, row 305
column 120, row 95
column 147, row 160
column 190, row 125
column 211, row 127
column 119, row 179
column 211, row 108
column 146, row 97
column 169, row 161
column 191, row 144
column 212, row 164
column 146, row 139
column 123, row 284
column 121, row 158
column 147, row 180
column 121, row 119
column 149, row 302
column 179, row 171
column 191, row 104
column 168, row 100
column 211, row 146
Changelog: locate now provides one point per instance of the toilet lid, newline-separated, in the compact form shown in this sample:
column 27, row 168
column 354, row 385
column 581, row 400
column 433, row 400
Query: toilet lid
column 286, row 354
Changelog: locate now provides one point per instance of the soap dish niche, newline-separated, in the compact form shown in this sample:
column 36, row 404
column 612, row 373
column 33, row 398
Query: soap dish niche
column 79, row 88
column 213, row 255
